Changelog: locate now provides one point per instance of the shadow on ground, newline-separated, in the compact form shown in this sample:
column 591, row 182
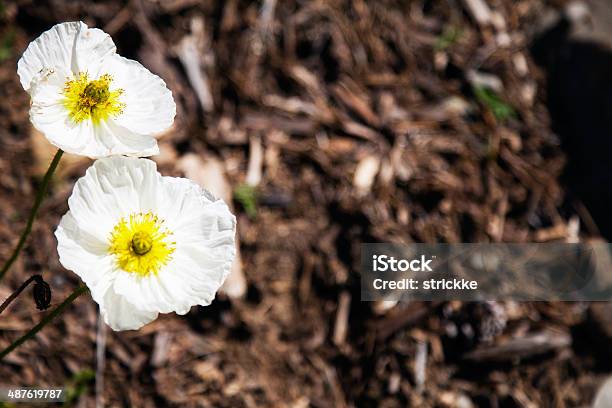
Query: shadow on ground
column 579, row 97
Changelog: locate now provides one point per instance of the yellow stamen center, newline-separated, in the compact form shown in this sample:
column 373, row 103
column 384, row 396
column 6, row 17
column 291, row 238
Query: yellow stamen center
column 140, row 244
column 85, row 99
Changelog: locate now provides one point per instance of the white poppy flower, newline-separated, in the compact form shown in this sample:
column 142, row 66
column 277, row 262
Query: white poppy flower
column 145, row 244
column 88, row 100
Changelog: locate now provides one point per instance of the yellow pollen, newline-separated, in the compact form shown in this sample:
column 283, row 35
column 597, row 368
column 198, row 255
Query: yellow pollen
column 85, row 99
column 140, row 244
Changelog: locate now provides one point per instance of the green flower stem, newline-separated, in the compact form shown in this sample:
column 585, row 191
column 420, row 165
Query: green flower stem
column 14, row 295
column 39, row 198
column 47, row 319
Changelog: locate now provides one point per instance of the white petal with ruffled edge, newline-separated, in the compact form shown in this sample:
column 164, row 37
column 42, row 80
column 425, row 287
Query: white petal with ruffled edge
column 148, row 102
column 71, row 47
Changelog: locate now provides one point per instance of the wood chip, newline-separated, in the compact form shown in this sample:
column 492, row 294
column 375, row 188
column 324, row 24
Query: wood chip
column 342, row 316
column 190, row 56
column 523, row 347
column 479, row 10
column 365, row 174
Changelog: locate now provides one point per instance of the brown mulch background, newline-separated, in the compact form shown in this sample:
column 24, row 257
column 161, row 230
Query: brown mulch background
column 344, row 122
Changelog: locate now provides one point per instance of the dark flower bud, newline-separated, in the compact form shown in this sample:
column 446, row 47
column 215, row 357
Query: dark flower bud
column 42, row 293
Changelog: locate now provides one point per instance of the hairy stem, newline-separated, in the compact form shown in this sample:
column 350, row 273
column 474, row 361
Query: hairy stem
column 39, row 198
column 45, row 320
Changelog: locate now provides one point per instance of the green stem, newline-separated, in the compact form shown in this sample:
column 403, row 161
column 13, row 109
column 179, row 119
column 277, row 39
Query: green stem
column 39, row 198
column 47, row 319
column 14, row 295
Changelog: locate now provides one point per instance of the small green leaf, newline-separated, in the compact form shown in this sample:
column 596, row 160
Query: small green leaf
column 449, row 36
column 501, row 109
column 246, row 195
column 6, row 45
column 78, row 386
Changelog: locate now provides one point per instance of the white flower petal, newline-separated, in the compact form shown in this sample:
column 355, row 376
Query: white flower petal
column 181, row 196
column 120, row 314
column 113, row 188
column 121, row 140
column 89, row 244
column 86, row 256
column 149, row 106
column 72, row 47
